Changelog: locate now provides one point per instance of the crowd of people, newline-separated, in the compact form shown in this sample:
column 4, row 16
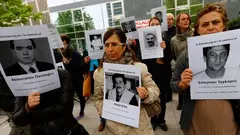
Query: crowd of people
column 50, row 113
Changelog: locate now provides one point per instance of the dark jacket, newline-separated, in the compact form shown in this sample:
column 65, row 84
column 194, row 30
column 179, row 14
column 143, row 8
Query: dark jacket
column 16, row 69
column 76, row 66
column 6, row 96
column 55, row 107
column 170, row 33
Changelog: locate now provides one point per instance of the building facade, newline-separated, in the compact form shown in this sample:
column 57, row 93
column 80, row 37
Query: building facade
column 39, row 6
column 115, row 11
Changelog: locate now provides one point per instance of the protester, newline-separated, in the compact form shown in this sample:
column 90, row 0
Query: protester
column 116, row 51
column 7, row 100
column 179, row 42
column 76, row 66
column 160, row 68
column 171, row 32
column 203, row 117
column 49, row 113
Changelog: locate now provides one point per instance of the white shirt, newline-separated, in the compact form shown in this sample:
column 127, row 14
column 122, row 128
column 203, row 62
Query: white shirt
column 26, row 67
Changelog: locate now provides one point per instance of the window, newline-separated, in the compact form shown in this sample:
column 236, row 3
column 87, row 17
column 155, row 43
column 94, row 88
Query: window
column 117, row 5
column 194, row 2
column 108, row 5
column 182, row 2
column 195, row 9
column 117, row 11
column 77, row 15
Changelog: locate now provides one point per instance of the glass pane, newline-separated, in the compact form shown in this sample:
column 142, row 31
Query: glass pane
column 64, row 18
column 171, row 11
column 73, row 43
column 117, row 11
column 169, row 3
column 181, row 2
column 65, row 29
column 89, row 25
column 72, row 35
column 117, row 5
column 82, row 45
column 195, row 9
column 80, row 35
column 79, row 27
column 193, row 18
column 77, row 15
column 193, row 2
column 182, row 11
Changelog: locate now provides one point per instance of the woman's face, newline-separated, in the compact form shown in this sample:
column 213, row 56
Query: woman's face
column 184, row 21
column 211, row 22
column 114, row 49
column 154, row 22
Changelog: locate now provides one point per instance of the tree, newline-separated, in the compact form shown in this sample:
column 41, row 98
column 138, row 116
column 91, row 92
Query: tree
column 14, row 12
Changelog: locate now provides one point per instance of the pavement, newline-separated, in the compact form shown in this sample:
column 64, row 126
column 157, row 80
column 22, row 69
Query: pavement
column 91, row 119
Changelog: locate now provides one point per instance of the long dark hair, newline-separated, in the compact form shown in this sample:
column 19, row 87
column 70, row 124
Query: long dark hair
column 122, row 38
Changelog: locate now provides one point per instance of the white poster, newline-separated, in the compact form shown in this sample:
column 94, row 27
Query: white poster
column 54, row 38
column 150, row 39
column 60, row 65
column 121, row 101
column 129, row 27
column 216, row 69
column 161, row 13
column 94, row 40
column 26, row 60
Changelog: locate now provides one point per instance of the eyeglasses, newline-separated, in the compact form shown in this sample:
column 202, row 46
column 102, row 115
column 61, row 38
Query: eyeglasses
column 107, row 45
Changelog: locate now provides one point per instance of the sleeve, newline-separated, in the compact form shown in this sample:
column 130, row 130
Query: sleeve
column 179, row 68
column 173, row 62
column 150, row 85
column 167, row 52
column 98, row 91
column 78, row 62
column 39, row 115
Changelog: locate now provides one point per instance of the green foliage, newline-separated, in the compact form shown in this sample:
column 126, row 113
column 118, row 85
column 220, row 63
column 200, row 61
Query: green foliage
column 234, row 22
column 14, row 12
column 66, row 24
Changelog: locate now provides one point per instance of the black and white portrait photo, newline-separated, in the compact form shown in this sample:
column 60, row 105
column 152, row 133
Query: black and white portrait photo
column 150, row 39
column 122, row 88
column 25, row 56
column 129, row 26
column 96, row 42
column 215, row 58
column 159, row 15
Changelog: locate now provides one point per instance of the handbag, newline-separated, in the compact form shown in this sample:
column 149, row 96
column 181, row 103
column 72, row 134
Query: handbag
column 153, row 109
column 87, row 85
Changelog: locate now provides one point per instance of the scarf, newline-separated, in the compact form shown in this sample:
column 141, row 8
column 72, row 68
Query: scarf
column 126, row 58
column 184, row 35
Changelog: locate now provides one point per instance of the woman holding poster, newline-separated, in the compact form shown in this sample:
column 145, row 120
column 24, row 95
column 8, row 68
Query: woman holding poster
column 116, row 51
column 203, row 117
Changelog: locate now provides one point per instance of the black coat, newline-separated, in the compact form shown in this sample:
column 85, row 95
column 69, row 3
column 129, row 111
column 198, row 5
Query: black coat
column 54, row 106
column 16, row 69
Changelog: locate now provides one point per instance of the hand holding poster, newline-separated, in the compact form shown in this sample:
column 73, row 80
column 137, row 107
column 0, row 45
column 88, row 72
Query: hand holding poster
column 150, row 39
column 212, row 58
column 26, row 60
column 53, row 37
column 129, row 27
column 121, row 101
column 161, row 13
column 94, row 40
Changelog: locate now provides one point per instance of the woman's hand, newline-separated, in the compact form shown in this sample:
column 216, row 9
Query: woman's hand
column 65, row 60
column 142, row 92
column 130, row 42
column 186, row 78
column 33, row 100
column 163, row 44
column 87, row 59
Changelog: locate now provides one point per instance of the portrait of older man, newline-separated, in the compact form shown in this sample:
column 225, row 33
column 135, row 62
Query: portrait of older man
column 215, row 58
column 25, row 52
column 120, row 93
column 150, row 40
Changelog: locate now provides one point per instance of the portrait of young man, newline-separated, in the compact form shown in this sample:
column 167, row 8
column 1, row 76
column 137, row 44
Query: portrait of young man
column 215, row 58
column 128, row 27
column 119, row 92
column 24, row 50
